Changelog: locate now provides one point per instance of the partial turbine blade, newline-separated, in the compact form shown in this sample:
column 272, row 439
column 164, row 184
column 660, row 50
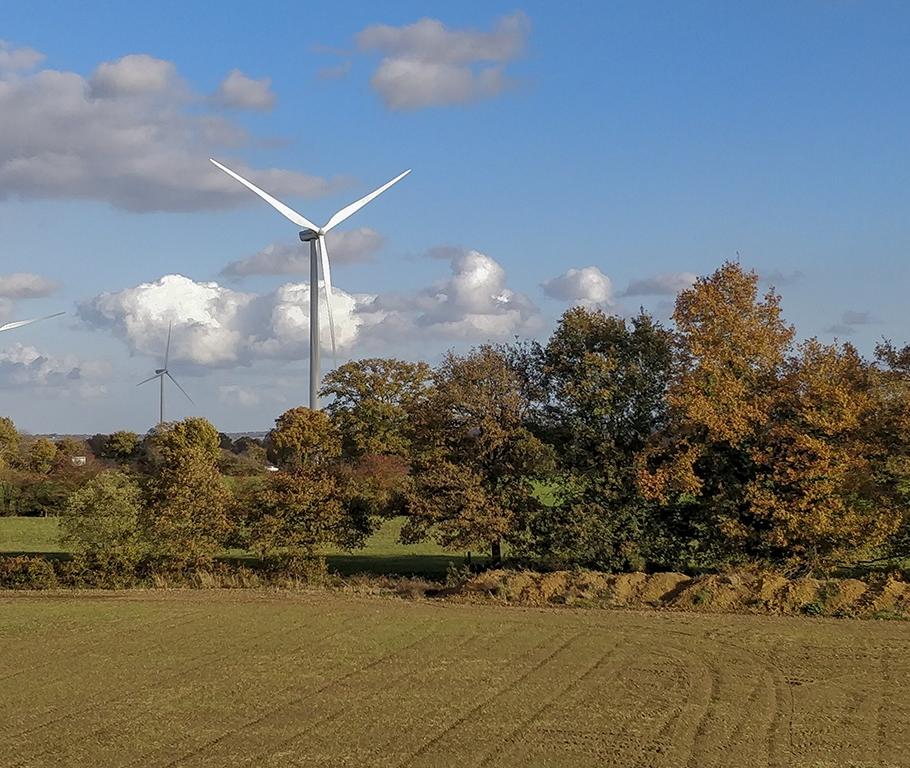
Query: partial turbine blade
column 168, row 374
column 20, row 323
column 167, row 349
column 327, row 281
column 150, row 378
column 288, row 213
column 354, row 207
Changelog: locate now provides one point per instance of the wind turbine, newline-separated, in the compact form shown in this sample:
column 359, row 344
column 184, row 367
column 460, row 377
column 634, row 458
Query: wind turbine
column 312, row 234
column 160, row 373
column 20, row 323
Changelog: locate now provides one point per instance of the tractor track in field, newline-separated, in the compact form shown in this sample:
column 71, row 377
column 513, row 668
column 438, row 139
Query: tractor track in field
column 201, row 662
column 273, row 710
column 260, row 757
column 510, row 686
column 607, row 660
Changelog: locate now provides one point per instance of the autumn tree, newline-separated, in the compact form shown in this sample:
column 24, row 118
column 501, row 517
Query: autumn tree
column 186, row 515
column 732, row 346
column 892, row 379
column 602, row 384
column 818, row 495
column 302, row 436
column 373, row 404
column 476, row 462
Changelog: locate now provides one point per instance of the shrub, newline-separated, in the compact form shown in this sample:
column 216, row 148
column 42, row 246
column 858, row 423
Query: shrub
column 27, row 573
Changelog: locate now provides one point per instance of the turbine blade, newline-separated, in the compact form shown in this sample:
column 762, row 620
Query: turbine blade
column 150, row 378
column 284, row 210
column 327, row 282
column 168, row 374
column 354, row 207
column 167, row 349
column 20, row 323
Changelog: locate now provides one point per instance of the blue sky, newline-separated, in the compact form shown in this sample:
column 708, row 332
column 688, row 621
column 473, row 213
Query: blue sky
column 649, row 141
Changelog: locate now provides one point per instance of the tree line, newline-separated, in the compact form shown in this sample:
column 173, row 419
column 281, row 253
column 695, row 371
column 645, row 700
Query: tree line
column 617, row 444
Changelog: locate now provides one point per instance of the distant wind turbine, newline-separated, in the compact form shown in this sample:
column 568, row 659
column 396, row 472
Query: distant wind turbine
column 160, row 373
column 20, row 323
column 313, row 234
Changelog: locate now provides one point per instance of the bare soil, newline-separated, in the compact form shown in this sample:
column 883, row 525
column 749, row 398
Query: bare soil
column 256, row 678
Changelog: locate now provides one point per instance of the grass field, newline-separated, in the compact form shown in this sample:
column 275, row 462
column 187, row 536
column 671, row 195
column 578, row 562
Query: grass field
column 382, row 554
column 254, row 678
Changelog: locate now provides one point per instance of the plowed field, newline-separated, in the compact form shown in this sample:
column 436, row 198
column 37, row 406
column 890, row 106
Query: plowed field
column 280, row 679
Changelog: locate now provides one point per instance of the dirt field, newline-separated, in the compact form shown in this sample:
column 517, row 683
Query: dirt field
column 273, row 679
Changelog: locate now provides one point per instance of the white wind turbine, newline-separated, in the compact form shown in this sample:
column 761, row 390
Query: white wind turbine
column 313, row 234
column 20, row 323
column 160, row 373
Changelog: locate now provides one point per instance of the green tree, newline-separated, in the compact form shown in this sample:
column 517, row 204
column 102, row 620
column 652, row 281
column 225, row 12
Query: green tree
column 9, row 440
column 41, row 456
column 303, row 437
column 476, row 462
column 373, row 404
column 601, row 386
column 101, row 520
column 296, row 513
column 187, row 511
column 121, row 446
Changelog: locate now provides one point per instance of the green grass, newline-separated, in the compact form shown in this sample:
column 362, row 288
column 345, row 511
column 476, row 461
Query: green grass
column 266, row 678
column 30, row 534
column 383, row 554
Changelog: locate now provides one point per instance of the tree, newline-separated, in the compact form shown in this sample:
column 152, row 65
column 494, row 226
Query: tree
column 732, row 346
column 101, row 520
column 302, row 436
column 475, row 465
column 41, row 456
column 121, row 446
column 373, row 404
column 601, row 382
column 9, row 440
column 818, row 495
column 296, row 513
column 186, row 515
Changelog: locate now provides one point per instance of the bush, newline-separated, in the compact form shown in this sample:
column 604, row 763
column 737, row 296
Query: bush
column 27, row 573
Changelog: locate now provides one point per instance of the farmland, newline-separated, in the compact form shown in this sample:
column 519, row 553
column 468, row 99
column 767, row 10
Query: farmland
column 277, row 678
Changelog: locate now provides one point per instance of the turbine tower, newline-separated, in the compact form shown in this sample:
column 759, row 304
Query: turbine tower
column 315, row 236
column 20, row 323
column 160, row 373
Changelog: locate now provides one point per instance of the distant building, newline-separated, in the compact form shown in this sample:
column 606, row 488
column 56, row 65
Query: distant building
column 78, row 461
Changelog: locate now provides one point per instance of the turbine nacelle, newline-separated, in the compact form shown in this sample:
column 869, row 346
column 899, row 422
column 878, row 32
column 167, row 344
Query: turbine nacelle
column 309, row 235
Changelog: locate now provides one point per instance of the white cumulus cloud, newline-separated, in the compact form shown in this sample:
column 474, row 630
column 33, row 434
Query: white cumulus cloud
column 238, row 91
column 215, row 326
column 24, row 366
column 132, row 134
column 666, row 284
column 429, row 64
column 587, row 286
column 348, row 247
column 25, row 285
column 218, row 327
column 16, row 58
